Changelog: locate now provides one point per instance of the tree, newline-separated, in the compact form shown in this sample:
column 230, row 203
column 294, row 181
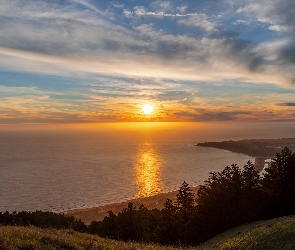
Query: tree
column 145, row 224
column 126, row 222
column 185, row 201
column 279, row 184
column 169, row 227
column 106, row 228
column 228, row 198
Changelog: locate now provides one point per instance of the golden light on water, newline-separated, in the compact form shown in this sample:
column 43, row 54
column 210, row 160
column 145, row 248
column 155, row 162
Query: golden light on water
column 148, row 170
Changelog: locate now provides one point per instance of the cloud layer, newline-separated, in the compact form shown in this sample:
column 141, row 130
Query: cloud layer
column 183, row 44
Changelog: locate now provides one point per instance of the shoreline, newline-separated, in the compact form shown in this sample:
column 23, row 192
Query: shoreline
column 87, row 215
column 260, row 149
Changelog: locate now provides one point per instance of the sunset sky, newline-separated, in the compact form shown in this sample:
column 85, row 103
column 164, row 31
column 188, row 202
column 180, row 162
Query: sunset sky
column 71, row 61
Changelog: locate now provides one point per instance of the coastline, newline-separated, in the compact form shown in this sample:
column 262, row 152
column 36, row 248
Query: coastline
column 87, row 215
column 261, row 149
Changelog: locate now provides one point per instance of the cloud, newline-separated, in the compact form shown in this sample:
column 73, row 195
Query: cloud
column 140, row 11
column 182, row 9
column 287, row 54
column 244, row 22
column 279, row 28
column 279, row 15
column 207, row 115
column 124, row 54
column 287, row 104
column 201, row 21
column 5, row 91
column 88, row 5
column 76, row 41
column 161, row 5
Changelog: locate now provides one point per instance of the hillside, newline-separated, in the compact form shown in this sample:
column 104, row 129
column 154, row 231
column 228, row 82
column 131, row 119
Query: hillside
column 275, row 234
column 45, row 239
column 253, row 147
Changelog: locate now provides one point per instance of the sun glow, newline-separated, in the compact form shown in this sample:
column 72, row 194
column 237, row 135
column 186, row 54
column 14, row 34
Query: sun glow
column 147, row 109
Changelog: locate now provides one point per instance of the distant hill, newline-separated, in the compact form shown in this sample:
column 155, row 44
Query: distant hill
column 266, row 148
column 275, row 234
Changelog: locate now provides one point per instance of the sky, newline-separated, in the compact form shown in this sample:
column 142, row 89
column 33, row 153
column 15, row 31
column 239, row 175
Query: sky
column 77, row 61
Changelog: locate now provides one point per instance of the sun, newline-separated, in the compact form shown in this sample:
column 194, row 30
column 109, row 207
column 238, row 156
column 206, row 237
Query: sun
column 147, row 109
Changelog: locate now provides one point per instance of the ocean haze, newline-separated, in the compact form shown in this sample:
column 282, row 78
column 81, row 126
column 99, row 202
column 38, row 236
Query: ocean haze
column 62, row 167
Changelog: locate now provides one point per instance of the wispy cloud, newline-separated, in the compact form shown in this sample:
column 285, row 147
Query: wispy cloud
column 278, row 15
column 287, row 104
column 125, row 51
column 201, row 21
column 72, row 40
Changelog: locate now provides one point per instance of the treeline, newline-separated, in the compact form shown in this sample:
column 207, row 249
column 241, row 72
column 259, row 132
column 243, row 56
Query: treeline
column 42, row 219
column 228, row 198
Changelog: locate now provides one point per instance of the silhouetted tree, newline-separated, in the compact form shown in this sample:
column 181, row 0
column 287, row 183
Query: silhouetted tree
column 228, row 198
column 42, row 219
column 169, row 233
column 144, row 224
column 279, row 183
column 185, row 201
column 105, row 228
column 126, row 222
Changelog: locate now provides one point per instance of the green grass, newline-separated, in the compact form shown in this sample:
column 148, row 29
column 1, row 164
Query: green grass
column 275, row 234
column 26, row 238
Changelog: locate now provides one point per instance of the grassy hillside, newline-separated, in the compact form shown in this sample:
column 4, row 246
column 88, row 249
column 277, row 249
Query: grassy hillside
column 275, row 234
column 36, row 238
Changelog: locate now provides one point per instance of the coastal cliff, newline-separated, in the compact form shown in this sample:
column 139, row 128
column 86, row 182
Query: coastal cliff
column 261, row 149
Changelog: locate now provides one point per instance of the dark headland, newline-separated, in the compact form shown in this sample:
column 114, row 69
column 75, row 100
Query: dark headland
column 261, row 149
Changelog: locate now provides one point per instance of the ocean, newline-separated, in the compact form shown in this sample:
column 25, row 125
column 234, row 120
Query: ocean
column 56, row 168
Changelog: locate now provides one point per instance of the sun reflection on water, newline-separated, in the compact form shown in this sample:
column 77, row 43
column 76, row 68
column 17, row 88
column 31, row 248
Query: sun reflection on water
column 148, row 171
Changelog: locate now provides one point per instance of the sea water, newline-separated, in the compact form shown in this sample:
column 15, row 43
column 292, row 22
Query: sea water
column 61, row 167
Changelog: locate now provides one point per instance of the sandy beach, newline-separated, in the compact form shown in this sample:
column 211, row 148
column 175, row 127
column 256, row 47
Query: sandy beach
column 87, row 215
column 98, row 213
